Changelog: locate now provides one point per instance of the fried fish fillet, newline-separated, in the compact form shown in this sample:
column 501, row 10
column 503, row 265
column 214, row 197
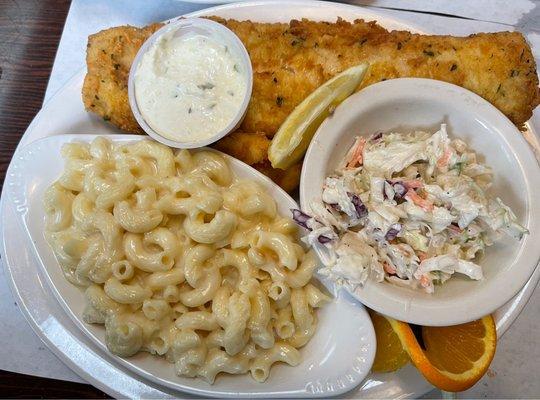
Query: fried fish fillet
column 109, row 55
column 252, row 148
column 290, row 60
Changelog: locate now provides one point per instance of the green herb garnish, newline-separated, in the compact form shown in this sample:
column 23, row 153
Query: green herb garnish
column 206, row 86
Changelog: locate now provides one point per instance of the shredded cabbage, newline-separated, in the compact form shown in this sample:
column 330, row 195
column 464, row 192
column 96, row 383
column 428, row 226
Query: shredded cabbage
column 415, row 212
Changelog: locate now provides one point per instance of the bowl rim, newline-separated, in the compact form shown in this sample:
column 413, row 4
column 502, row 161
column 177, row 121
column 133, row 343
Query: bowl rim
column 228, row 37
column 387, row 298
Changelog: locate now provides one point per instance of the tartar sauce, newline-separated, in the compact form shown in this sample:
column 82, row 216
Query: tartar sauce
column 190, row 87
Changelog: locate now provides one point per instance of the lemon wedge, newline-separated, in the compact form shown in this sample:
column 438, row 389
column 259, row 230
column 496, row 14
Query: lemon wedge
column 292, row 139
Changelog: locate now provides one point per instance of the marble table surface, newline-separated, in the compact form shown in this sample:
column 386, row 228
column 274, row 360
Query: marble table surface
column 514, row 371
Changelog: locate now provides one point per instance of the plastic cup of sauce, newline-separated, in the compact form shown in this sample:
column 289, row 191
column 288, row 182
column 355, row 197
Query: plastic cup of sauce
column 190, row 83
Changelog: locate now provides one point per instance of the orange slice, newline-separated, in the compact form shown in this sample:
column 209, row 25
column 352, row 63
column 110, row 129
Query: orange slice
column 454, row 357
column 390, row 355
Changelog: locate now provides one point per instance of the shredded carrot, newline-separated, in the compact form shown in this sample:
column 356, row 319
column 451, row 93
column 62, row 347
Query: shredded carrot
column 388, row 268
column 406, row 249
column 421, row 255
column 445, row 158
column 413, row 184
column 357, row 156
column 424, row 281
column 420, row 202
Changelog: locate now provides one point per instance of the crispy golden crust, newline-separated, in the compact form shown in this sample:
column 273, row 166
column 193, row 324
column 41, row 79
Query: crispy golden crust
column 252, row 148
column 291, row 60
column 109, row 55
column 288, row 179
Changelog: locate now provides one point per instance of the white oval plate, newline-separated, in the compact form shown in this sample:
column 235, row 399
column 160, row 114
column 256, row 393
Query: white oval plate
column 337, row 359
column 64, row 113
column 403, row 105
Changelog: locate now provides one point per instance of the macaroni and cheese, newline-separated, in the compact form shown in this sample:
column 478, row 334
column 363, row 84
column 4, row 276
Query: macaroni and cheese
column 181, row 259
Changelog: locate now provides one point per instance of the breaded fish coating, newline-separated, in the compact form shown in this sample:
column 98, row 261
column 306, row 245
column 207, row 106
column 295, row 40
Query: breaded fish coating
column 292, row 60
column 109, row 55
column 252, row 148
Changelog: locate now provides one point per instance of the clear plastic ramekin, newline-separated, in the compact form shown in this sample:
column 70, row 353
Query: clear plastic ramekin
column 204, row 27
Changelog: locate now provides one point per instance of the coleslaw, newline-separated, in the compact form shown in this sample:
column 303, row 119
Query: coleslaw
column 411, row 209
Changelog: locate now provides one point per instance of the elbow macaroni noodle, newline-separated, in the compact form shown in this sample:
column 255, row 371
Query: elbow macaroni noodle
column 181, row 260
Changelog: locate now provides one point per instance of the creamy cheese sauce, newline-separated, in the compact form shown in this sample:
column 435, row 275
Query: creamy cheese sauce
column 190, row 87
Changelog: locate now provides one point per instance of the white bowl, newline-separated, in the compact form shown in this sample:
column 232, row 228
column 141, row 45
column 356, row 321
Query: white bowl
column 402, row 105
column 208, row 28
column 334, row 361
